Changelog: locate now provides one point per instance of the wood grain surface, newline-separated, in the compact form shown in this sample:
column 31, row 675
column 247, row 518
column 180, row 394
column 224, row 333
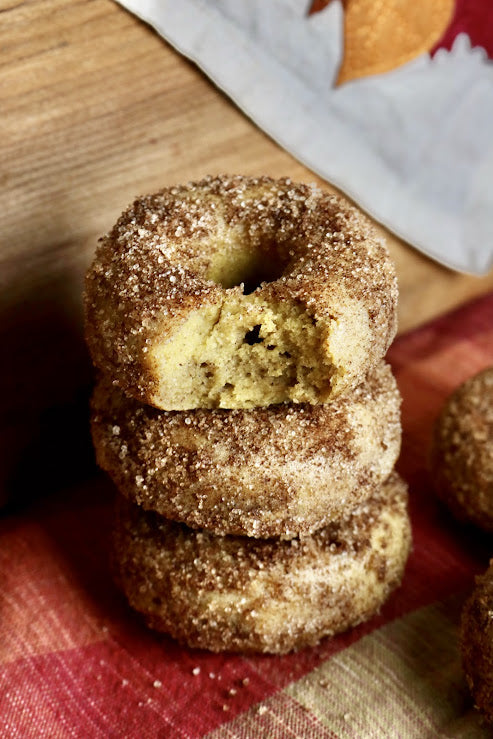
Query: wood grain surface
column 95, row 108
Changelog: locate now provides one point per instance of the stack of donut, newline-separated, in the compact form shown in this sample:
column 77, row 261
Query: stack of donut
column 245, row 413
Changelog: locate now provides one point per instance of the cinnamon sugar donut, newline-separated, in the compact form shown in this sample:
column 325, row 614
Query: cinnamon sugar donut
column 238, row 292
column 262, row 595
column 462, row 451
column 477, row 642
column 277, row 471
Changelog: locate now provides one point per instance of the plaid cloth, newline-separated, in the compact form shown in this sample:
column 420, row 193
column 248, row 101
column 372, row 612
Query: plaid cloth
column 76, row 662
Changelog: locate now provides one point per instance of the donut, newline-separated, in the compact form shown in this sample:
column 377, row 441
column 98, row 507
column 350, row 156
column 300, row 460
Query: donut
column 279, row 471
column 462, row 451
column 238, row 292
column 476, row 642
column 240, row 594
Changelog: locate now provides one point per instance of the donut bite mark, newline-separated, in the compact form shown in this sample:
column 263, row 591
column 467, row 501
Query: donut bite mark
column 252, row 595
column 279, row 471
column 462, row 451
column 239, row 292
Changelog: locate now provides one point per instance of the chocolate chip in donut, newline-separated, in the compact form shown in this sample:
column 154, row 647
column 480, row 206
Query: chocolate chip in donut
column 238, row 292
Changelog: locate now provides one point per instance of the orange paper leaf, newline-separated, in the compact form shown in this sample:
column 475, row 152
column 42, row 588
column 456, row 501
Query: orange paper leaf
column 380, row 35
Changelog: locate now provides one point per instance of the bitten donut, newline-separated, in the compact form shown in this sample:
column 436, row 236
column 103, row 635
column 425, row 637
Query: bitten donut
column 462, row 451
column 262, row 595
column 238, row 292
column 279, row 471
column 477, row 642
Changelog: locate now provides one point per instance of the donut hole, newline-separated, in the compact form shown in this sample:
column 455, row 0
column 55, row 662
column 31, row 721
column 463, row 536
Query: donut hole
column 268, row 270
column 240, row 263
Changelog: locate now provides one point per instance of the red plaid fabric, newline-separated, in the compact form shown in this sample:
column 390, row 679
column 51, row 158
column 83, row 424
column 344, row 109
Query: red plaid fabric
column 76, row 662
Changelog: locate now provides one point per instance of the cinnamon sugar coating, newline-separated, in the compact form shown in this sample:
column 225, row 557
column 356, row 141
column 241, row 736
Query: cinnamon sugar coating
column 462, row 451
column 262, row 595
column 279, row 471
column 238, row 292
column 477, row 642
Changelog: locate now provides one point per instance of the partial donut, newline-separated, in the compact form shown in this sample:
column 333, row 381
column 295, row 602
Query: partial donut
column 462, row 451
column 477, row 642
column 238, row 292
column 279, row 471
column 262, row 595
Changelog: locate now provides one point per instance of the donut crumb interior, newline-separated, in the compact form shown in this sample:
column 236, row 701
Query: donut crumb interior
column 242, row 353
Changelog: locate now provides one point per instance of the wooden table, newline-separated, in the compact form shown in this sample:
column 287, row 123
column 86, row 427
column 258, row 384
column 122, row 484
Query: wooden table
column 94, row 109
